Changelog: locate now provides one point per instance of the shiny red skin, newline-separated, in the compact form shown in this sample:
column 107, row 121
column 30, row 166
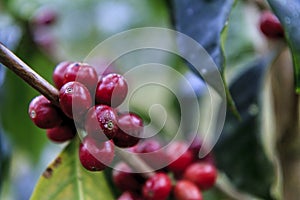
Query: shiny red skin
column 179, row 164
column 130, row 128
column 44, row 17
column 111, row 90
column 95, row 156
column 43, row 113
column 149, row 151
column 157, row 187
column 204, row 175
column 147, row 146
column 270, row 25
column 195, row 147
column 101, row 122
column 58, row 75
column 186, row 190
column 75, row 100
column 125, row 180
column 61, row 133
column 83, row 73
column 129, row 196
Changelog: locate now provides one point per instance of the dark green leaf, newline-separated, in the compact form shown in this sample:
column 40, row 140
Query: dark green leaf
column 65, row 178
column 4, row 157
column 239, row 151
column 203, row 21
column 288, row 13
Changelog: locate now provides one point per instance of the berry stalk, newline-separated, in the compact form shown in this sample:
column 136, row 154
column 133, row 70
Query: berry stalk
column 132, row 161
column 11, row 61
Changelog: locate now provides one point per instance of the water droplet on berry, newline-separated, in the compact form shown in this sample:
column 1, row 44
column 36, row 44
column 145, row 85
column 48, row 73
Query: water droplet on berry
column 69, row 90
column 32, row 114
column 109, row 125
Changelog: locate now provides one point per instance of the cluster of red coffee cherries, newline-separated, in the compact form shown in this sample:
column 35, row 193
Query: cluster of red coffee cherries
column 270, row 25
column 184, row 178
column 104, row 126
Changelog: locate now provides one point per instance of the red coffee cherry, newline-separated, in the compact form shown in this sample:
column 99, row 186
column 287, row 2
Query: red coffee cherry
column 111, row 90
column 186, row 190
column 43, row 113
column 125, row 180
column 101, row 122
column 95, row 156
column 75, row 100
column 44, row 17
column 180, row 156
column 270, row 25
column 83, row 73
column 130, row 129
column 147, row 146
column 129, row 196
column 58, row 75
column 62, row 133
column 195, row 147
column 149, row 151
column 204, row 175
column 103, row 66
column 157, row 187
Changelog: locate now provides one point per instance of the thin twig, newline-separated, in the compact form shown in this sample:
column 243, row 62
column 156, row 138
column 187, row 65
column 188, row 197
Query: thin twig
column 11, row 61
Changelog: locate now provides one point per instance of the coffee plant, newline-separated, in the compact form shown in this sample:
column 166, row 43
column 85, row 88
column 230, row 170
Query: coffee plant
column 154, row 100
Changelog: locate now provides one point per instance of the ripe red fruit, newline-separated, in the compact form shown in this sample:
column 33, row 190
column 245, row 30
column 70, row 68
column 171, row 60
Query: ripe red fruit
column 147, row 146
column 149, row 151
column 157, row 187
column 43, row 113
column 83, row 73
column 58, row 75
column 125, row 180
column 186, row 190
column 195, row 147
column 94, row 155
column 101, row 122
column 204, row 175
column 111, row 90
column 180, row 157
column 129, row 196
column 62, row 133
column 270, row 25
column 74, row 100
column 130, row 128
column 44, row 17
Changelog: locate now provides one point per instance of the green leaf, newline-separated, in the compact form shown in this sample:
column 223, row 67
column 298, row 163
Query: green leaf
column 203, row 21
column 239, row 151
column 288, row 13
column 5, row 154
column 238, row 40
column 65, row 178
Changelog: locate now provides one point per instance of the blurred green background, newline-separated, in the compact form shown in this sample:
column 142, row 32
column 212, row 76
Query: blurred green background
column 75, row 29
